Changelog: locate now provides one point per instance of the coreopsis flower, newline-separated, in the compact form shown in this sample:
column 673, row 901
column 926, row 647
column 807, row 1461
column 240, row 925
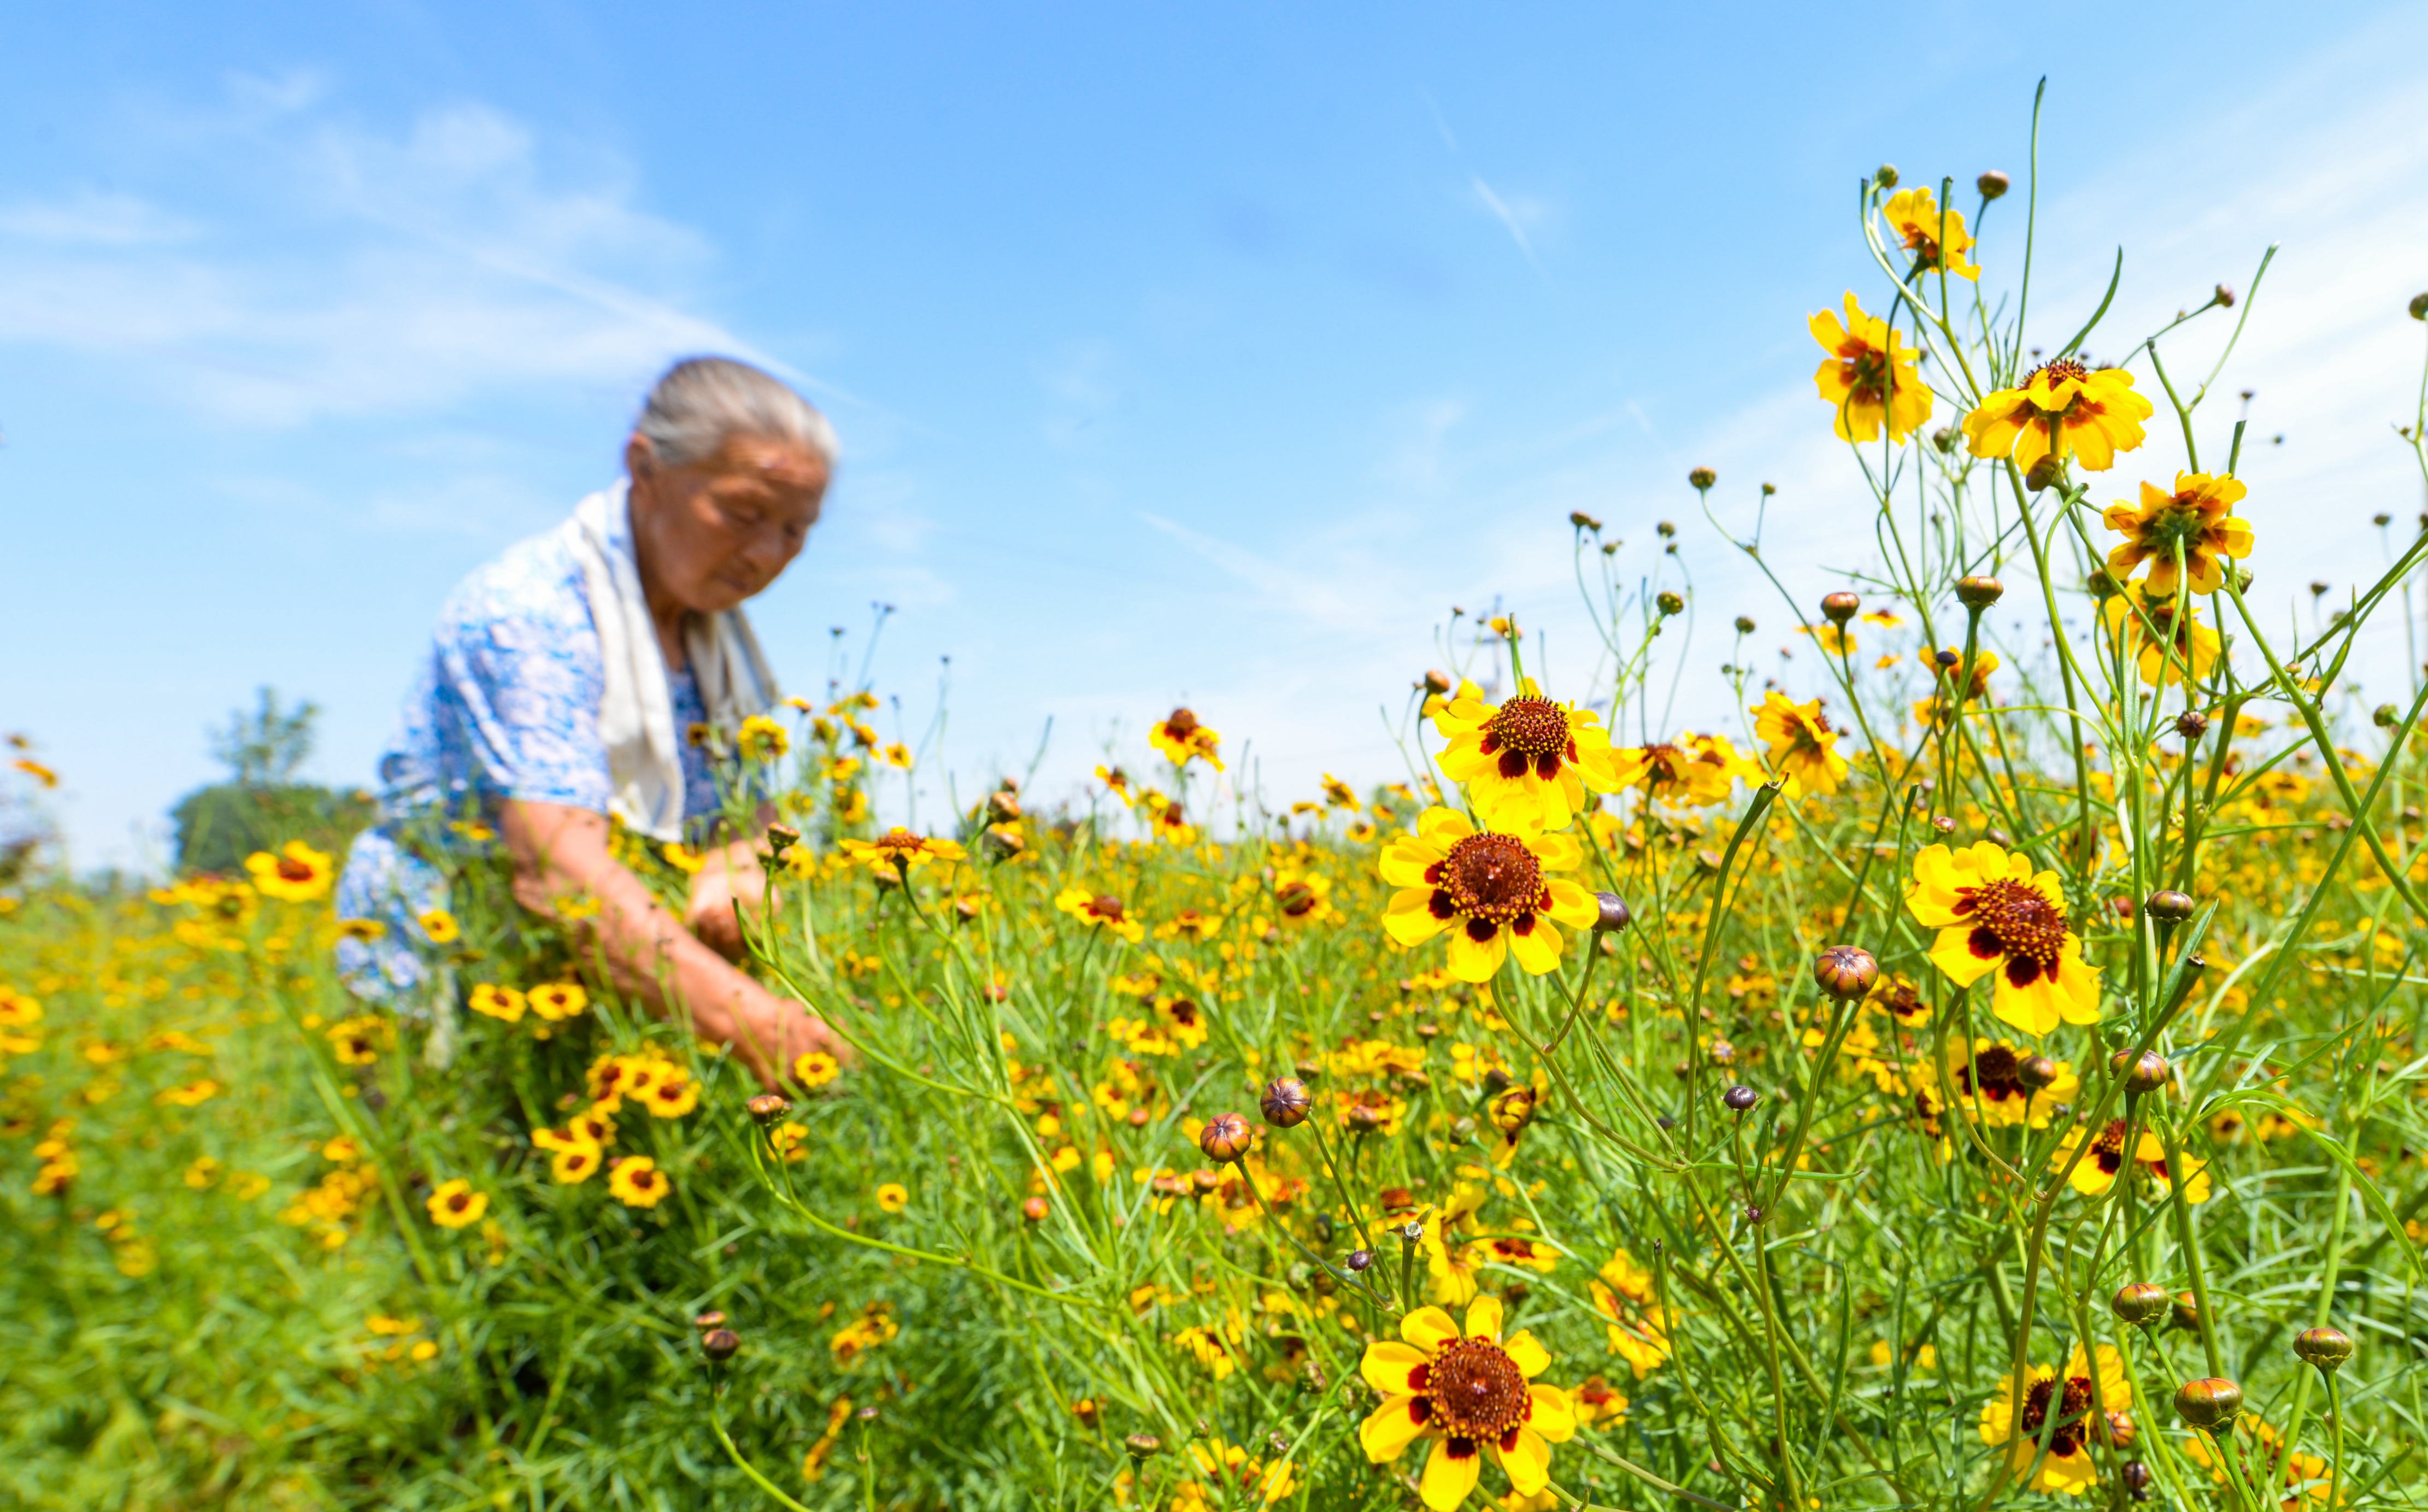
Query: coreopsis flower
column 1170, row 824
column 1302, row 896
column 761, row 739
column 2198, row 517
column 1928, row 711
column 1637, row 1329
column 297, row 873
column 557, row 1000
column 1803, row 747
column 438, row 927
column 365, row 931
column 1528, row 761
column 497, row 1002
column 815, row 1068
column 356, row 1040
column 1182, row 739
column 2015, row 1418
column 1468, row 1393
column 891, row 1196
column 1986, row 1084
column 683, row 857
column 2097, row 1171
column 1100, row 910
column 899, row 850
column 674, row 1095
column 1869, row 376
column 2060, row 409
column 1696, row 770
column 636, row 1182
column 1937, row 239
column 456, row 1205
column 1492, row 891
column 2180, row 642
column 1232, row 1466
column 1993, row 913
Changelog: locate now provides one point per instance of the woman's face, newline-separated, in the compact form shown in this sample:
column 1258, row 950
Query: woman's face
column 717, row 532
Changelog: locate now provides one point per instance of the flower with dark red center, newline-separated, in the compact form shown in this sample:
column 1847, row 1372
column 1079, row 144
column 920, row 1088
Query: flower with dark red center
column 1803, row 749
column 1470, row 1393
column 1490, row 892
column 1100, row 910
column 296, row 873
column 1183, row 739
column 1987, row 1083
column 1697, row 770
column 1528, row 762
column 2061, row 409
column 1869, row 375
column 899, row 850
column 1993, row 913
column 2064, row 1405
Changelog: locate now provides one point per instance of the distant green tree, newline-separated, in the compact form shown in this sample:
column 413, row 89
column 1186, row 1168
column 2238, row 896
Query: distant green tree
column 262, row 806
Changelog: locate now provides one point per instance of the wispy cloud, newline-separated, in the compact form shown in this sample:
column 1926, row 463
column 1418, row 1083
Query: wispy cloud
column 1514, row 218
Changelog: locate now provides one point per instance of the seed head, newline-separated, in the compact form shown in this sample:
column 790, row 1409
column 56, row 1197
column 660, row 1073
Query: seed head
column 2036, row 1071
column 1846, row 971
column 2211, row 1401
column 1980, row 591
column 1669, row 603
column 2326, row 1348
column 1224, row 1137
column 719, row 1344
column 2139, row 1302
column 1034, row 1209
column 1285, row 1102
column 1614, row 915
column 1992, row 185
column 1839, row 607
column 1885, row 175
column 2144, row 1073
column 1745, row 624
column 768, row 1107
column 2168, row 906
column 1740, row 1097
column 1142, row 1446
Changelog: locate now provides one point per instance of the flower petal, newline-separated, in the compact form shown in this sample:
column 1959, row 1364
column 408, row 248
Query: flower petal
column 1428, row 1328
column 1529, row 1356
column 1551, row 1413
column 1389, row 1429
column 1483, row 1318
column 1525, row 1460
column 1390, row 1367
column 1451, row 1471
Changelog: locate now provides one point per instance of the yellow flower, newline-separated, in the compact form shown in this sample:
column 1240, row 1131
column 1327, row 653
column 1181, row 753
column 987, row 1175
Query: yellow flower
column 1835, row 639
column 1937, row 240
column 1526, row 761
column 1986, row 1085
column 456, row 1205
column 683, row 857
column 899, row 850
column 297, row 873
column 1637, row 1329
column 1868, row 376
column 438, row 927
column 891, row 1197
column 1100, row 910
column 1993, row 913
column 365, row 931
column 356, row 1040
column 815, row 1068
column 2016, row 1418
column 1468, row 1395
column 2198, row 515
column 1181, row 739
column 1302, row 896
column 1488, row 889
column 36, row 770
column 498, row 1002
column 1803, row 747
column 2063, row 410
column 874, row 1326
column 761, row 739
column 192, row 1094
column 637, row 1182
column 2180, row 642
column 2097, row 1172
column 557, row 1000
column 1232, row 1464
column 674, row 1095
column 1926, row 712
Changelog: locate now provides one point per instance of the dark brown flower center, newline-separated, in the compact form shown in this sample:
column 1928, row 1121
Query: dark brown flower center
column 2018, row 918
column 1105, row 907
column 1297, row 900
column 2108, row 1148
column 1993, row 1074
column 1491, row 877
column 291, row 870
column 900, row 839
column 1182, row 724
column 2058, row 371
column 2072, row 1408
column 1477, row 1389
column 1537, row 726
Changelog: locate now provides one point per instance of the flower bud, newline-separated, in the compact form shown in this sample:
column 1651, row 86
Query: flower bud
column 1701, row 478
column 1437, row 682
column 2224, row 297
column 1364, row 1118
column 2191, row 724
column 1665, row 529
column 2385, row 716
column 1740, row 1097
column 1498, row 1081
column 2045, row 472
column 2118, row 1430
column 1034, row 1209
column 707, row 1321
column 2139, row 1302
column 2183, row 1314
column 1206, row 1183
column 1992, row 185
column 1978, row 591
column 2326, row 1348
column 1583, row 520
column 2211, row 1401
column 1745, row 624
column 1669, row 603
column 1360, row 1259
column 1224, row 1137
column 2168, row 906
column 1002, row 806
column 1885, row 175
column 1142, row 1446
column 782, row 837
column 719, row 1344
column 1753, row 1215
column 1614, row 915
column 1943, row 824
column 1946, row 438
column 1285, row 1102
column 768, row 1107
column 2036, row 1071
column 2135, row 1476
column 2144, row 1072
column 1839, row 607
column 1846, row 971
column 2419, row 306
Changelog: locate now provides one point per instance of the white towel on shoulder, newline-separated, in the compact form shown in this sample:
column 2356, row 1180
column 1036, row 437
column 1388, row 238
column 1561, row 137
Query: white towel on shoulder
column 636, row 716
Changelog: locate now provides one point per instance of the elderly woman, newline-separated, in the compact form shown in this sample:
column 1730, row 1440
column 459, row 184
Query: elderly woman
column 569, row 679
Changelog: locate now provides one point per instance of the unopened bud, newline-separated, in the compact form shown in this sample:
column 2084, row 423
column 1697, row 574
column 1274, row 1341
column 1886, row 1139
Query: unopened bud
column 2326, row 1348
column 2183, row 1314
column 2144, row 1072
column 2119, row 1430
column 2418, row 306
column 1583, row 520
column 1945, row 438
column 1285, row 1102
column 1885, row 175
column 1740, row 1097
column 2038, row 1073
column 2211, row 1401
column 1978, row 591
column 1436, row 681
column 767, row 1107
column 2224, row 297
column 1224, row 1137
column 2387, row 716
column 2044, row 472
column 1992, row 185
column 1839, row 607
column 1745, row 624
column 707, row 1321
column 719, row 1343
column 2168, row 906
column 782, row 837
column 1846, row 971
column 1360, row 1259
column 2139, row 1302
column 2135, row 1476
column 1613, row 914
column 1034, row 1209
column 1669, row 602
column 1142, row 1446
column 2191, row 724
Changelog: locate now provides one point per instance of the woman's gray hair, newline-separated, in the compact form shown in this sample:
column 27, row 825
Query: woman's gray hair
column 702, row 401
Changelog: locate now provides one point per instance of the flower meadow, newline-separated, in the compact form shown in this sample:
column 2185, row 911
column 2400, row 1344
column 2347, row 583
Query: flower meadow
column 1985, row 1068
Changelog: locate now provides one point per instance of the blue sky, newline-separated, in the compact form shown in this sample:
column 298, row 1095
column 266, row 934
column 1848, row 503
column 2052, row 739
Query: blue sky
column 1202, row 353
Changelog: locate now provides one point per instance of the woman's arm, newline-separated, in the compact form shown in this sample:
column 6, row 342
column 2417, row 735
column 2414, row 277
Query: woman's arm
column 560, row 853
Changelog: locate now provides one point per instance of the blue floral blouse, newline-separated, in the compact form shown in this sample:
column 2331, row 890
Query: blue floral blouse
column 504, row 706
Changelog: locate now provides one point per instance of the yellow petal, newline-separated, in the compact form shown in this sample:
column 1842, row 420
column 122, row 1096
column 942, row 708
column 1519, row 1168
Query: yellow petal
column 1428, row 1328
column 1390, row 1367
column 1537, row 947
column 1475, row 960
column 1483, row 1318
column 1551, row 1413
column 1527, row 1461
column 1409, row 917
column 1952, row 953
column 1527, row 1354
column 1450, row 1476
column 1390, row 1428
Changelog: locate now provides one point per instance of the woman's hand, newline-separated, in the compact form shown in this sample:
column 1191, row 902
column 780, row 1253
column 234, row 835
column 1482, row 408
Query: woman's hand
column 733, row 874
column 772, row 1032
